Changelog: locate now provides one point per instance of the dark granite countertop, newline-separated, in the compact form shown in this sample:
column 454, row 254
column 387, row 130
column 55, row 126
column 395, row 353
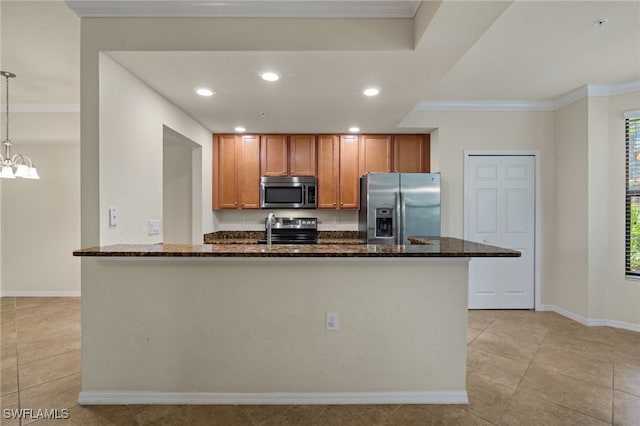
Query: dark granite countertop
column 252, row 237
column 422, row 247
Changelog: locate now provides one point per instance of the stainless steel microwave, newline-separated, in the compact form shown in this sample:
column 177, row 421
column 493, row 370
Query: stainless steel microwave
column 288, row 192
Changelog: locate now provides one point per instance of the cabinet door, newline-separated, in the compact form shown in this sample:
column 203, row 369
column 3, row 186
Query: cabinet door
column 225, row 162
column 249, row 172
column 274, row 154
column 375, row 154
column 411, row 154
column 328, row 163
column 349, row 181
column 302, row 155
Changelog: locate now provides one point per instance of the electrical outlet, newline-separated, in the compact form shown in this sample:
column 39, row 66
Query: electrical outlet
column 336, row 220
column 241, row 220
column 154, row 227
column 332, row 321
column 113, row 216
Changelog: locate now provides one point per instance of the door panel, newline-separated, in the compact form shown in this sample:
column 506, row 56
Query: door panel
column 486, row 218
column 500, row 210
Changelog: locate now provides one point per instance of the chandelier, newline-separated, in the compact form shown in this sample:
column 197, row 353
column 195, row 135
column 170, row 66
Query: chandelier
column 16, row 165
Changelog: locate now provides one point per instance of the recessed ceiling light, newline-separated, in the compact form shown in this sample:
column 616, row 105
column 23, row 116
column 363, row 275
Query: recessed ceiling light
column 371, row 91
column 240, row 129
column 270, row 76
column 354, row 129
column 204, row 91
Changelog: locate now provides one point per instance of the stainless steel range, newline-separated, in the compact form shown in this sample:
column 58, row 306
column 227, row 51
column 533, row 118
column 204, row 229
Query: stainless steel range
column 292, row 230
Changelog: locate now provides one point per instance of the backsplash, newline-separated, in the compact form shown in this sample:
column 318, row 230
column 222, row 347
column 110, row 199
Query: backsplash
column 253, row 220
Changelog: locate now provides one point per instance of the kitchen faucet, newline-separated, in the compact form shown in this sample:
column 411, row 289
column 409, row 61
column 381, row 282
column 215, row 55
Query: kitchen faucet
column 271, row 218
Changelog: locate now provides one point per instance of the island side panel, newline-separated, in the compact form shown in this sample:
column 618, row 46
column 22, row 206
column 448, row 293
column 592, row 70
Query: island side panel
column 247, row 325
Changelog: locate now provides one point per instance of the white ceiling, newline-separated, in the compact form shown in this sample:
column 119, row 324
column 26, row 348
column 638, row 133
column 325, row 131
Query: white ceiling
column 534, row 50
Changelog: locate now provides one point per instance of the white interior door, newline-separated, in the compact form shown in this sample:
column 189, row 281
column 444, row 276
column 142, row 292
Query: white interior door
column 500, row 210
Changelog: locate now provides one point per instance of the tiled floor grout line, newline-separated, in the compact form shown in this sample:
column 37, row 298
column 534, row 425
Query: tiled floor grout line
column 390, row 413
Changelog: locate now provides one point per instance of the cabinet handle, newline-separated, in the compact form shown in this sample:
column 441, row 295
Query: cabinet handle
column 293, row 172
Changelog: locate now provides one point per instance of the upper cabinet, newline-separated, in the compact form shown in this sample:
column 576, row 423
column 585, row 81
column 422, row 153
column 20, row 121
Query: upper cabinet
column 236, row 172
column 337, row 161
column 293, row 155
column 411, row 153
column 328, row 171
column 349, row 179
column 338, row 178
column 274, row 155
column 375, row 154
column 302, row 155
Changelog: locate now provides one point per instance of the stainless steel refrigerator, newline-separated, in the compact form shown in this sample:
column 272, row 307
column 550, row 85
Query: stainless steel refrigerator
column 395, row 206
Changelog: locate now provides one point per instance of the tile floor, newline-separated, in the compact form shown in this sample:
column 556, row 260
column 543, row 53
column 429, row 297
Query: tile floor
column 524, row 368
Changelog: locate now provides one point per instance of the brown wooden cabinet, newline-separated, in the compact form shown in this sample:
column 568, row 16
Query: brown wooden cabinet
column 375, row 154
column 274, row 155
column 302, row 155
column 338, row 161
column 236, row 172
column 338, row 178
column 282, row 155
column 328, row 171
column 249, row 172
column 411, row 153
column 349, row 182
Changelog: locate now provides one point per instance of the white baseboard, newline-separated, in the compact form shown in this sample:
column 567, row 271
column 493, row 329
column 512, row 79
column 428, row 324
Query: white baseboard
column 590, row 322
column 39, row 294
column 272, row 398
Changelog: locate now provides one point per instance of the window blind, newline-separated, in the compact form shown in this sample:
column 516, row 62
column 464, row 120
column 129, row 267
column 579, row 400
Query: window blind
column 632, row 199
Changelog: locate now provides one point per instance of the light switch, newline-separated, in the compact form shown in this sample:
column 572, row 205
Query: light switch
column 113, row 216
column 154, row 227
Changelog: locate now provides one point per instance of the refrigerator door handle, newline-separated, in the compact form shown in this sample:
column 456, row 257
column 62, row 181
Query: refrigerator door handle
column 396, row 219
column 403, row 210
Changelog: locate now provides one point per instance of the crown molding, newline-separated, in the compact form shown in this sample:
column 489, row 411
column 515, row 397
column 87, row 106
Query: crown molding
column 41, row 107
column 485, row 106
column 586, row 91
column 245, row 9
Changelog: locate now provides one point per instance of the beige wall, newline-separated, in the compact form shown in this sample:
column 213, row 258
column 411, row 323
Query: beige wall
column 253, row 325
column 622, row 295
column 132, row 120
column 598, row 196
column 569, row 285
column 41, row 224
column 588, row 276
column 181, row 189
column 460, row 131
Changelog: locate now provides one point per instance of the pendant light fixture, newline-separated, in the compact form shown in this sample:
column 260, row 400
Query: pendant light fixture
column 16, row 165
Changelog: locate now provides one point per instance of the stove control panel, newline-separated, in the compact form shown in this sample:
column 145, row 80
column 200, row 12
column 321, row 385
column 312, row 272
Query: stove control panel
column 295, row 223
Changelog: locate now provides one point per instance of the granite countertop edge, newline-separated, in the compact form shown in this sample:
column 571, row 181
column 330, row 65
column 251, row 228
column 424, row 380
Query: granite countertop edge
column 446, row 247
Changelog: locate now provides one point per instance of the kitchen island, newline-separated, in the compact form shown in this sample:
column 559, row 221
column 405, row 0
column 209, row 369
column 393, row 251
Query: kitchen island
column 245, row 324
